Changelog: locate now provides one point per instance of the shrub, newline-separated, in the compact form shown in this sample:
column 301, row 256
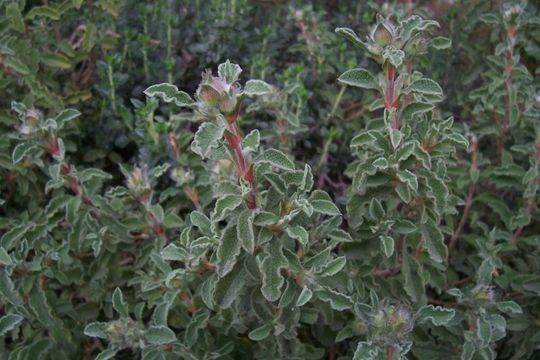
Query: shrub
column 276, row 211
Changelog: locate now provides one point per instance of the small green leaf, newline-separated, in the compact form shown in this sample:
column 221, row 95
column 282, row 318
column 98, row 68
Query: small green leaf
column 106, row 354
column 43, row 11
column 56, row 61
column 338, row 301
column 261, row 333
column 403, row 226
column 325, row 207
column 387, row 245
column 244, row 230
column 21, row 150
column 251, row 141
column 438, row 315
column 440, row 43
column 414, row 284
column 160, row 335
column 510, row 307
column 304, row 297
column 333, row 267
column 119, row 304
column 229, row 72
column 277, row 159
column 9, row 322
column 393, row 56
column 271, row 271
column 257, row 88
column 297, row 232
column 14, row 14
column 360, row 78
column 227, row 251
column 416, row 108
column 17, row 65
column 66, row 116
column 366, row 350
column 426, row 86
column 207, row 138
column 5, row 259
column 96, row 329
column 224, row 205
column 408, row 178
column 352, row 37
column 169, row 93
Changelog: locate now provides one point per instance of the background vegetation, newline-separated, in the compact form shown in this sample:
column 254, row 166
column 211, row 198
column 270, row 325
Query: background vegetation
column 372, row 238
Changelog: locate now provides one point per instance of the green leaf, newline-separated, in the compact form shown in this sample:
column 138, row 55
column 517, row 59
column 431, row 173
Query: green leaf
column 376, row 211
column 387, row 245
column 224, row 205
column 403, row 226
column 366, row 350
column 40, row 307
column 66, row 116
column 106, row 354
column 338, row 301
column 9, row 322
column 363, row 138
column 5, row 259
column 7, row 290
column 244, row 230
column 325, row 207
column 261, row 333
column 21, row 150
column 169, row 93
column 333, row 267
column 426, row 86
column 510, row 307
column 229, row 288
column 227, row 251
column 207, row 138
column 96, row 329
column 160, row 335
column 271, row 266
column 416, row 108
column 395, row 137
column 297, row 232
column 438, row 315
column 251, row 141
column 483, row 331
column 229, row 72
column 119, row 304
column 277, row 159
column 200, row 221
column 414, row 284
column 199, row 320
column 409, row 179
column 393, row 56
column 434, row 242
column 173, row 253
column 360, row 78
column 440, row 43
column 56, row 61
column 304, row 297
column 257, row 88
column 438, row 191
column 352, row 37
column 16, row 65
column 14, row 14
column 43, row 11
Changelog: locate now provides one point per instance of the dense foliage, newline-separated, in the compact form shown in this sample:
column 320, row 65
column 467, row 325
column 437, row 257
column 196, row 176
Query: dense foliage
column 269, row 179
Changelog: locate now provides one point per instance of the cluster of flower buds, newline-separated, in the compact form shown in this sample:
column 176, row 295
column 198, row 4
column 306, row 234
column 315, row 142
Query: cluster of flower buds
column 124, row 333
column 139, row 185
column 482, row 295
column 391, row 325
column 217, row 95
column 31, row 122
